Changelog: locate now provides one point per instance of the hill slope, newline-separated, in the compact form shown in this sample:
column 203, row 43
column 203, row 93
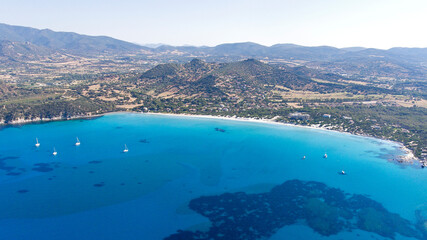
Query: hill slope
column 71, row 42
column 244, row 79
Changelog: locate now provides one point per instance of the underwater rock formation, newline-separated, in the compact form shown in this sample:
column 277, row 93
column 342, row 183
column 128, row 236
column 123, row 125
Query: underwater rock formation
column 326, row 210
column 45, row 167
column 10, row 170
column 219, row 130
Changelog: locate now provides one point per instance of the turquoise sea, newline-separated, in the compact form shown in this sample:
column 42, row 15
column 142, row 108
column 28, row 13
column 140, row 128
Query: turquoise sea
column 192, row 175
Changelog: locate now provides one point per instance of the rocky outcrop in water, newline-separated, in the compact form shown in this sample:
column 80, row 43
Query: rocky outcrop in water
column 326, row 210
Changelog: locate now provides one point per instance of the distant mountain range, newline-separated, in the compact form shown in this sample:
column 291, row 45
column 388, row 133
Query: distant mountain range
column 23, row 50
column 293, row 51
column 65, row 41
column 79, row 43
column 24, row 43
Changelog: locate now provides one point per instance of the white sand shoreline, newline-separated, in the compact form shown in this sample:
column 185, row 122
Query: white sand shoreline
column 406, row 157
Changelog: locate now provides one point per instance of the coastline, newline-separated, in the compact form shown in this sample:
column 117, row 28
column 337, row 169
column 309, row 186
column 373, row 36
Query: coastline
column 21, row 121
column 407, row 158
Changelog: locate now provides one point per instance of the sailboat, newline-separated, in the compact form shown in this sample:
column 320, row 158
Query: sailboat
column 54, row 152
column 126, row 149
column 343, row 172
column 78, row 142
column 37, row 143
column 325, row 156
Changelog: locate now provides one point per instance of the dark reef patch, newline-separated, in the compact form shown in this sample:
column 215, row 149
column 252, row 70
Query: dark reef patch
column 144, row 141
column 45, row 167
column 51, row 178
column 8, row 169
column 5, row 167
column 7, row 158
column 219, row 130
column 101, row 184
column 14, row 173
column 326, row 210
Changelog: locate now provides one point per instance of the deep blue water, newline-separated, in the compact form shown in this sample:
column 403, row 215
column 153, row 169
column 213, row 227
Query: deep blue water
column 95, row 191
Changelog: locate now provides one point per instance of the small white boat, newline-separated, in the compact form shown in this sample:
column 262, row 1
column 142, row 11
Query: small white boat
column 78, row 142
column 343, row 172
column 325, row 156
column 37, row 143
column 54, row 152
column 126, row 149
column 303, row 157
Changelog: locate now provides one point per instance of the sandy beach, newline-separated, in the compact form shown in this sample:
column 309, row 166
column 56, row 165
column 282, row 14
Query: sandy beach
column 407, row 158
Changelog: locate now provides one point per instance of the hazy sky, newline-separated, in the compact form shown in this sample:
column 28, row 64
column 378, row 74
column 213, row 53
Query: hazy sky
column 340, row 23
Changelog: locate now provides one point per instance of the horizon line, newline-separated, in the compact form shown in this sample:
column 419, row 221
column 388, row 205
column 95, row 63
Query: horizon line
column 206, row 45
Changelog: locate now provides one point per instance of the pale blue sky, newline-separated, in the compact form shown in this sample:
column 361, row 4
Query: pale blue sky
column 340, row 23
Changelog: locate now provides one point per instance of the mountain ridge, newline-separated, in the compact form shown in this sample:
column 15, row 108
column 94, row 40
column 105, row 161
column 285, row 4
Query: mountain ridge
column 369, row 64
column 42, row 36
column 70, row 41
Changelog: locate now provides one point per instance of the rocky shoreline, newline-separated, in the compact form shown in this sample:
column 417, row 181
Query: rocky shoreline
column 407, row 158
column 23, row 121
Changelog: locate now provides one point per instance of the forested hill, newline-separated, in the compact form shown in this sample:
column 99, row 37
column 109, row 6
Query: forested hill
column 243, row 78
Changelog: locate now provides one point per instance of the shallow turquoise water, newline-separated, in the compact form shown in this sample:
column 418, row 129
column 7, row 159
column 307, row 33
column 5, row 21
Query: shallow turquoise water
column 94, row 191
